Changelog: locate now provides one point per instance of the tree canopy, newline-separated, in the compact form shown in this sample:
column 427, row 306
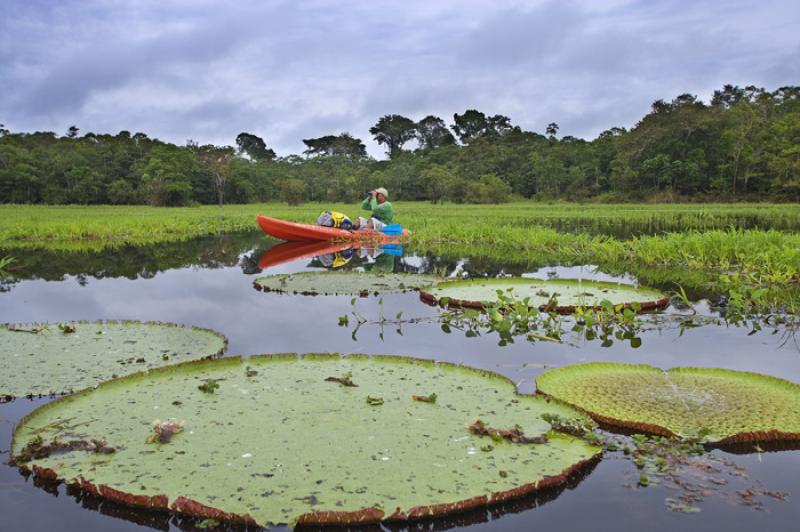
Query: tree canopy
column 743, row 143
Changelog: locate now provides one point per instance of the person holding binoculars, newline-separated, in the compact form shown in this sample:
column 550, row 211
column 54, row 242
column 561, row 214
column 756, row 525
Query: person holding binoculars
column 376, row 201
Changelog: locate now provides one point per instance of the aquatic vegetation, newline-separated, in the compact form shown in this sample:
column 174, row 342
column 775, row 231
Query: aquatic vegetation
column 55, row 359
column 689, row 471
column 713, row 405
column 342, row 283
column 284, row 446
column 5, row 262
column 557, row 295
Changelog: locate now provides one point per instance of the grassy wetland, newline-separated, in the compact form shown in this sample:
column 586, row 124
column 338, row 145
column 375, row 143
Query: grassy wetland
column 753, row 249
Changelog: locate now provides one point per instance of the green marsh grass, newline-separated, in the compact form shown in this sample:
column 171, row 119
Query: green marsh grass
column 95, row 227
column 750, row 245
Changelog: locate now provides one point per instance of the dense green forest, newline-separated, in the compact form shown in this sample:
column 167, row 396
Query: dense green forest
column 743, row 144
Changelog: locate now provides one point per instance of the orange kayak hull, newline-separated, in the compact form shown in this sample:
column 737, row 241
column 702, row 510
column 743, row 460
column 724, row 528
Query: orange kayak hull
column 291, row 251
column 292, row 231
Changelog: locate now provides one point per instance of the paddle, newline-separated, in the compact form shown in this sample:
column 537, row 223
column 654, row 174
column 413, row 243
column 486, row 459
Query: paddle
column 392, row 230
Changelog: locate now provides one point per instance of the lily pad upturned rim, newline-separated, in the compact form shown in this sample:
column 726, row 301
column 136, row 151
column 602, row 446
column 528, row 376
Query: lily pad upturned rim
column 361, row 293
column 744, row 437
column 146, row 517
column 365, row 516
column 8, row 397
column 428, row 297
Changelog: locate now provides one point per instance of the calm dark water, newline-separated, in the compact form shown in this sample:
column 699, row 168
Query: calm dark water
column 208, row 282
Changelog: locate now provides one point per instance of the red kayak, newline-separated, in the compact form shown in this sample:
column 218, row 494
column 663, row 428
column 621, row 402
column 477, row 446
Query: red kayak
column 293, row 231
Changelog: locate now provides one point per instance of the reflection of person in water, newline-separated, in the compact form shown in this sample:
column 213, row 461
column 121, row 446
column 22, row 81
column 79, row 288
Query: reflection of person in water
column 336, row 260
column 382, row 262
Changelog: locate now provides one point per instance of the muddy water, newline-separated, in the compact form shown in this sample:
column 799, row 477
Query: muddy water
column 209, row 283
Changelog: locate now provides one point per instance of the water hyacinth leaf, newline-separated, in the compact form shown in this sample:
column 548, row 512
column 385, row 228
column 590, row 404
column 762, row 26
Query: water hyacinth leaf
column 58, row 358
column 285, row 446
column 559, row 295
column 343, row 283
column 714, row 405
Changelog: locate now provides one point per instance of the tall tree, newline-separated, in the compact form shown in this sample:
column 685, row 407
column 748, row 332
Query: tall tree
column 474, row 124
column 552, row 129
column 433, row 133
column 218, row 160
column 254, row 147
column 343, row 144
column 72, row 132
column 394, row 131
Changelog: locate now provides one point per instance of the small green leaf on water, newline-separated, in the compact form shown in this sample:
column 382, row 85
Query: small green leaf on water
column 208, row 523
column 209, row 386
column 643, row 481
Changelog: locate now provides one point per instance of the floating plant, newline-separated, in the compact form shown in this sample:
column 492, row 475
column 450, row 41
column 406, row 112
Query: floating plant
column 558, row 295
column 53, row 359
column 712, row 405
column 285, row 446
column 343, row 283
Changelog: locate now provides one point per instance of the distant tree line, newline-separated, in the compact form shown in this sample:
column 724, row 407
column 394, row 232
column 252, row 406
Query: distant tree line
column 744, row 144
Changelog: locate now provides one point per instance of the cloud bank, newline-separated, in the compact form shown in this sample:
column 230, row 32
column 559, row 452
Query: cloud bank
column 292, row 70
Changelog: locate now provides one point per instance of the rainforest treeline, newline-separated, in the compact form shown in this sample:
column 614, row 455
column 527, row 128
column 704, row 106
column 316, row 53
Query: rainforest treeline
column 743, row 144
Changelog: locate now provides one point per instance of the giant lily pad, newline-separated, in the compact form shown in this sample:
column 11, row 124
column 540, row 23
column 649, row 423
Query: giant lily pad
column 718, row 405
column 316, row 439
column 52, row 359
column 342, row 283
column 559, row 295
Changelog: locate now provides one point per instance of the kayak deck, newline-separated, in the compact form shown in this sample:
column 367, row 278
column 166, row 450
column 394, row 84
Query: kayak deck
column 293, row 231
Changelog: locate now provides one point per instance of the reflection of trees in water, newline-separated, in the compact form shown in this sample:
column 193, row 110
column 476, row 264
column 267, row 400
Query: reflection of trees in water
column 134, row 262
column 165, row 521
column 245, row 249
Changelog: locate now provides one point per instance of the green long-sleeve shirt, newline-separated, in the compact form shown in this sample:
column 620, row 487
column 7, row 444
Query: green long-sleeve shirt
column 381, row 211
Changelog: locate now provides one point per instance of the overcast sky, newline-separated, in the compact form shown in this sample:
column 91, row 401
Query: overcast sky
column 285, row 71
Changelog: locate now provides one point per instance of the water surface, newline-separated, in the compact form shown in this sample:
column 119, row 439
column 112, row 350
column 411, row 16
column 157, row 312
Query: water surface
column 208, row 283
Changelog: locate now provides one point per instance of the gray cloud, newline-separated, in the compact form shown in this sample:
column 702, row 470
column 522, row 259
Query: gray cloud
column 289, row 70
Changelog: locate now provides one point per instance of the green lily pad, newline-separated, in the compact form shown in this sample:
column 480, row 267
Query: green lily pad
column 559, row 295
column 54, row 359
column 343, row 283
column 284, row 439
column 715, row 405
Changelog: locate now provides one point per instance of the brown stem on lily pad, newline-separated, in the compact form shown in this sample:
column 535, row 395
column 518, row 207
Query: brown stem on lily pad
column 37, row 449
column 514, row 435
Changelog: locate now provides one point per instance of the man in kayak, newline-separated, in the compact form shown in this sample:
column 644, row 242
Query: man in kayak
column 376, row 201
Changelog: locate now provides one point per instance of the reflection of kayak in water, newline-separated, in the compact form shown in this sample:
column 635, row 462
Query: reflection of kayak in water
column 305, row 232
column 289, row 251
